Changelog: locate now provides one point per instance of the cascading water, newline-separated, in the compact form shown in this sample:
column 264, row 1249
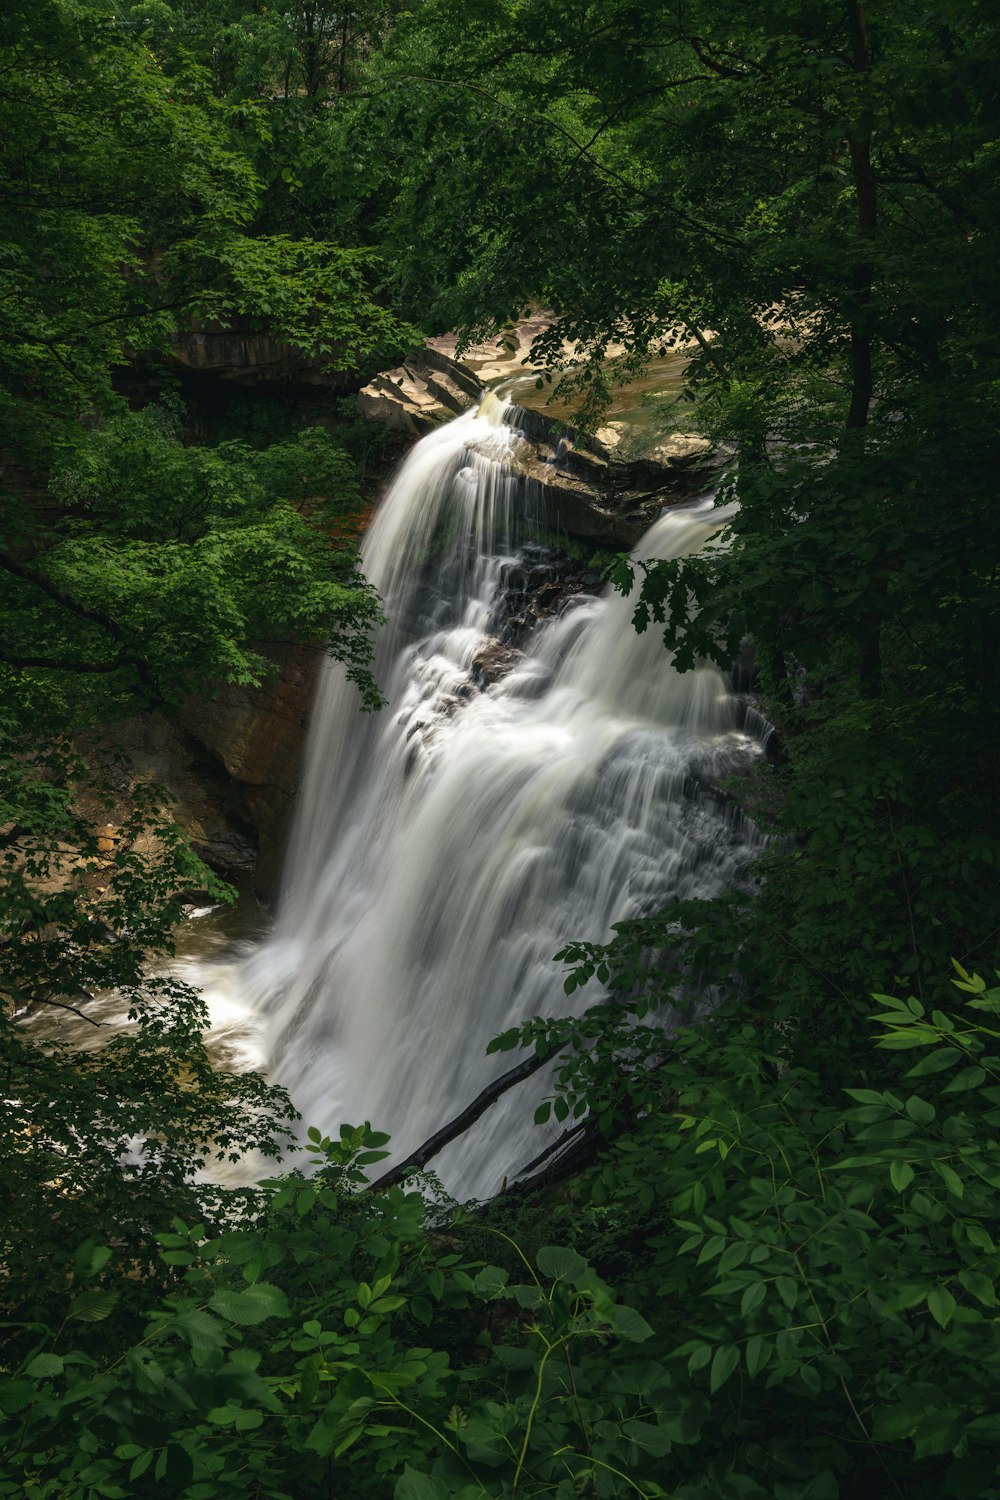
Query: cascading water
column 447, row 847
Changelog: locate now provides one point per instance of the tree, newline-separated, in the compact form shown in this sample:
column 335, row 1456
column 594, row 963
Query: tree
column 136, row 567
column 805, row 198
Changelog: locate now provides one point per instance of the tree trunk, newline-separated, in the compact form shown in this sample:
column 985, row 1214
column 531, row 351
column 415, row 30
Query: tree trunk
column 863, row 273
column 860, row 296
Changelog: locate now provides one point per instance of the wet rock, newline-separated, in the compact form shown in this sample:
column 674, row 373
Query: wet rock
column 494, row 661
column 537, row 587
column 589, row 486
column 232, row 855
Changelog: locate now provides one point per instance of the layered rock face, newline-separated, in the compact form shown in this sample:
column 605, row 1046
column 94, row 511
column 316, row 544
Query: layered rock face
column 242, row 355
column 593, row 488
column 430, row 388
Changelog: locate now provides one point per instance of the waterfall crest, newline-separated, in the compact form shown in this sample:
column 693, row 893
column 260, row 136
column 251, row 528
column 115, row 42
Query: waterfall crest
column 446, row 848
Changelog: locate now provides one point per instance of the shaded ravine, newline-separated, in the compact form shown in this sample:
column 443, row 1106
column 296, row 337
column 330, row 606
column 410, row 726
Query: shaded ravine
column 446, row 848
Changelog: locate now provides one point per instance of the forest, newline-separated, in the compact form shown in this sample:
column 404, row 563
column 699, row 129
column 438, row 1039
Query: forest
column 772, row 1270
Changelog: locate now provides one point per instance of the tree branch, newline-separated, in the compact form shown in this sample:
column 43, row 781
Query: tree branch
column 13, row 565
column 19, row 569
column 65, row 664
column 581, row 151
column 462, row 1122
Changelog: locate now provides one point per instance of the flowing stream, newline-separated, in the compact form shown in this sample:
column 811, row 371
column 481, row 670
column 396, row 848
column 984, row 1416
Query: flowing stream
column 445, row 848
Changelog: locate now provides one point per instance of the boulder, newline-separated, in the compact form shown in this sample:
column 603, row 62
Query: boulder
column 428, row 389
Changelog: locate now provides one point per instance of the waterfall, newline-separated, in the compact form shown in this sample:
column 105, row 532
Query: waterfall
column 445, row 848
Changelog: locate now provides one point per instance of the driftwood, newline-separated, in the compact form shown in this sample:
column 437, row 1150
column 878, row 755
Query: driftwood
column 461, row 1123
column 552, row 1150
column 578, row 1154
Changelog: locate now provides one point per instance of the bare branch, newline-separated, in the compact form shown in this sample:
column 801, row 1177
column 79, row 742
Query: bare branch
column 468, row 1117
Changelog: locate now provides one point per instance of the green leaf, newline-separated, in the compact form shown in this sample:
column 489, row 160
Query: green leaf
column 415, row 1486
column 903, row 1041
column 920, row 1110
column 254, row 1305
column 92, row 1307
column 506, row 1042
column 91, row 1258
column 752, row 1297
column 630, row 1325
column 909, row 1294
column 435, row 1283
column 950, row 1178
column 44, row 1365
column 490, row 1282
column 935, row 1062
column 941, row 1305
column 711, row 1248
column 979, row 1286
column 724, row 1362
column 758, row 1352
column 201, row 1330
column 788, row 1290
column 15, row 1395
column 649, row 1438
column 969, row 1078
column 486, row 1435
column 560, row 1262
column 351, row 1438
column 939, row 1432
column 895, row 1422
column 141, row 1464
column 901, row 1174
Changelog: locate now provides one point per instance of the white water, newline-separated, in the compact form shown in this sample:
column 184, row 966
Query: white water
column 447, row 847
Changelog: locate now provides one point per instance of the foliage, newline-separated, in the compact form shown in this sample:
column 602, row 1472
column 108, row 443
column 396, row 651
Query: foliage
column 183, row 556
column 803, row 199
column 160, row 568
column 137, row 567
column 816, row 1267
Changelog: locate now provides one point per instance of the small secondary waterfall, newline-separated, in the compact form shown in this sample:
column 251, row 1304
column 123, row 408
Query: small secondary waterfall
column 447, row 847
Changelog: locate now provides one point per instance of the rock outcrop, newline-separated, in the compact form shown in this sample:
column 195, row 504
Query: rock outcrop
column 230, row 765
column 591, row 493
column 430, row 388
column 592, row 487
column 257, row 736
column 240, row 354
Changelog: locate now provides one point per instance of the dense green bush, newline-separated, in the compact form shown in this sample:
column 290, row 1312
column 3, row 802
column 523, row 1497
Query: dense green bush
column 789, row 1291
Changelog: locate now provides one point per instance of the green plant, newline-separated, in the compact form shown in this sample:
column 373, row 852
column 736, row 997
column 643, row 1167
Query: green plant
column 816, row 1269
